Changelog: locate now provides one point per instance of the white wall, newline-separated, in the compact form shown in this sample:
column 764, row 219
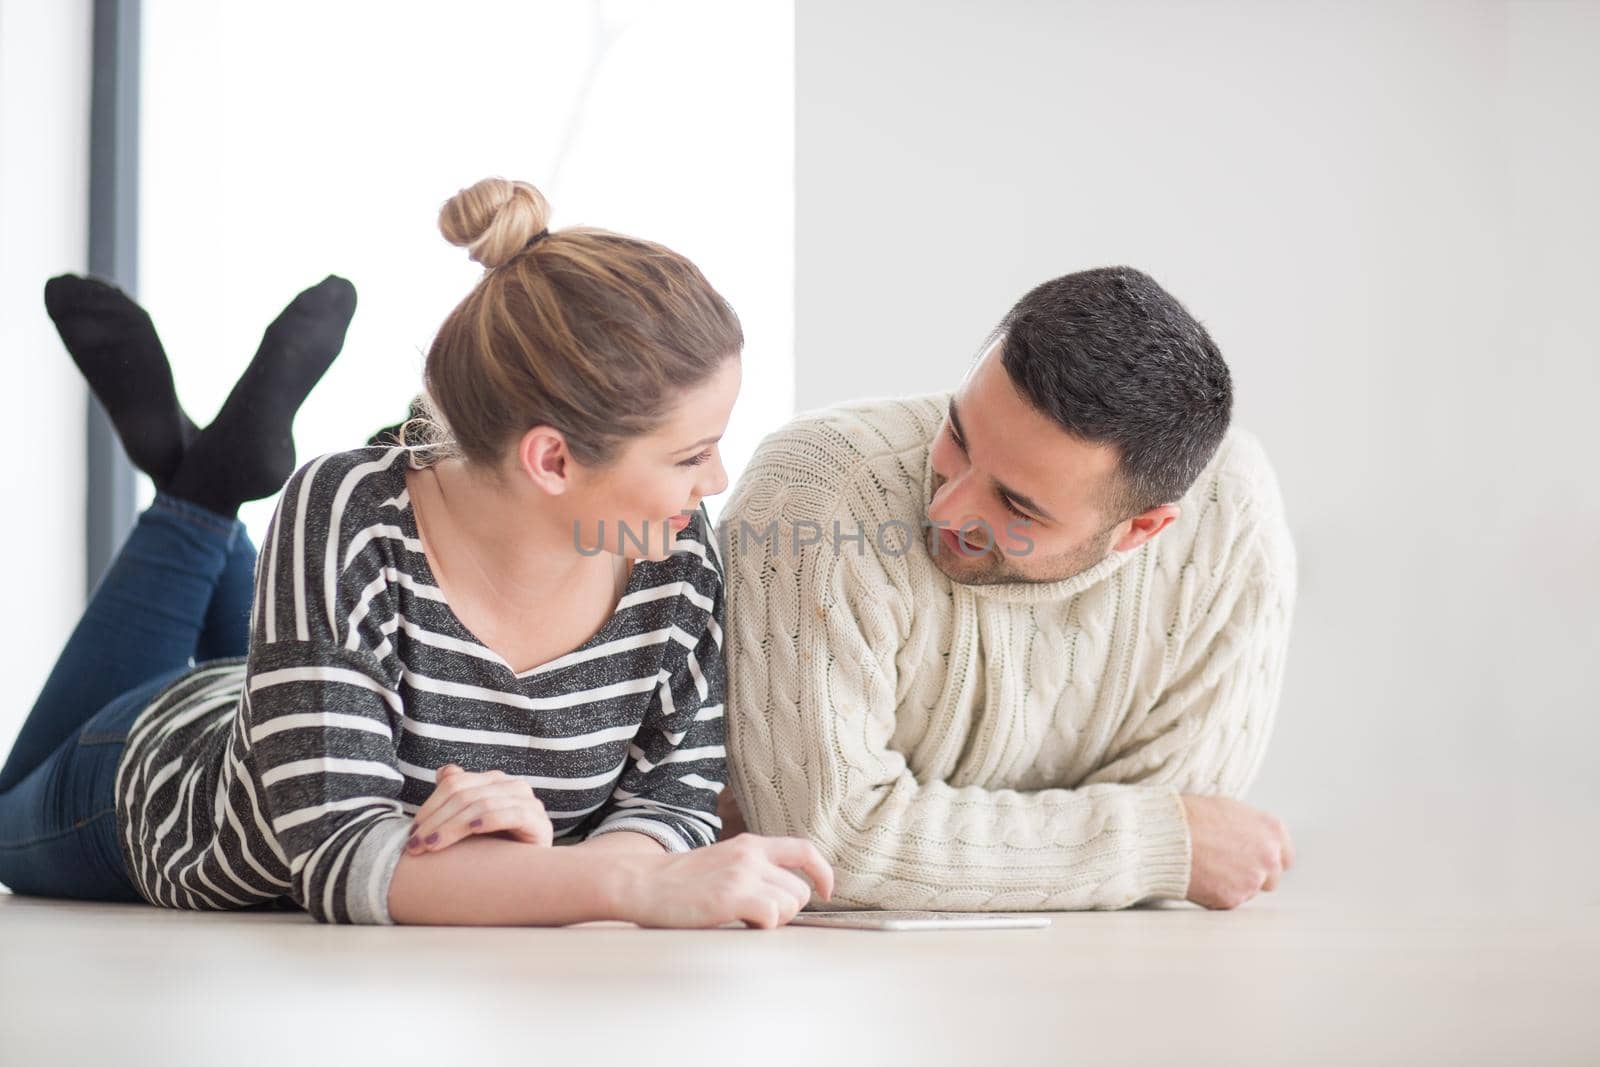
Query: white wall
column 1385, row 213
column 44, row 198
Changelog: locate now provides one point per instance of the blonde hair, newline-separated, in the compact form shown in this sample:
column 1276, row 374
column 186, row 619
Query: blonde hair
column 589, row 332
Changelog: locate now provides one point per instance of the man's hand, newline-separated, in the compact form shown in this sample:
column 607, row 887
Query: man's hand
column 1236, row 851
column 464, row 803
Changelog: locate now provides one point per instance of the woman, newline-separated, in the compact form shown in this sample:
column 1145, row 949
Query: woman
column 455, row 654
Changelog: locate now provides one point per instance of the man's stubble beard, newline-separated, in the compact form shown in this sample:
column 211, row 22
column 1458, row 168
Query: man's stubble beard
column 994, row 568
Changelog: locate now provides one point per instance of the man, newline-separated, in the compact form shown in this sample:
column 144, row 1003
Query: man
column 1019, row 646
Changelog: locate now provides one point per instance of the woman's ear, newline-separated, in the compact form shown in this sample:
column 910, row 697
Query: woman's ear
column 543, row 459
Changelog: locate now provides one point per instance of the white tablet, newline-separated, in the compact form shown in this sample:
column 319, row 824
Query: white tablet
column 918, row 920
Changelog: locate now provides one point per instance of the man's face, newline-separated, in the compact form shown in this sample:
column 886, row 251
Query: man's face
column 1020, row 497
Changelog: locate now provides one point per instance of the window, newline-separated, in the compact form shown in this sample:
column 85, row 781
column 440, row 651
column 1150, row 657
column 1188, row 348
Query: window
column 284, row 142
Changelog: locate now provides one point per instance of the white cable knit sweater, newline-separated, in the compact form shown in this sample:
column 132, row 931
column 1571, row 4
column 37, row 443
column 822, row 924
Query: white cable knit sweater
column 1001, row 747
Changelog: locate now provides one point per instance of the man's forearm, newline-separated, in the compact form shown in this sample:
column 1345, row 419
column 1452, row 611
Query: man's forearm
column 1103, row 846
column 490, row 881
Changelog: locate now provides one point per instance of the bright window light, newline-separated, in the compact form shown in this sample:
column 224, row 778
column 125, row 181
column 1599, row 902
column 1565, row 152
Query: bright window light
column 284, row 142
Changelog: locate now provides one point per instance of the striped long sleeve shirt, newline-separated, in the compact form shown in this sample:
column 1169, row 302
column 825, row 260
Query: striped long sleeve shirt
column 292, row 775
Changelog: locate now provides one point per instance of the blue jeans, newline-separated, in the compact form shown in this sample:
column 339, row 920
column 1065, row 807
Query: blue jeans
column 179, row 592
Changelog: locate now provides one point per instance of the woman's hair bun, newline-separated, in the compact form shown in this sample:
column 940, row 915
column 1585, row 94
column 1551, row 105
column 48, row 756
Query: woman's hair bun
column 494, row 219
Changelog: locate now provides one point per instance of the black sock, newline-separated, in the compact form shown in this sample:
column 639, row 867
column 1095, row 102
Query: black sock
column 114, row 344
column 248, row 450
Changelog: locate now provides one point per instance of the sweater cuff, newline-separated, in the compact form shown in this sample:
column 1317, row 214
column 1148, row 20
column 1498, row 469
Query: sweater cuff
column 372, row 869
column 1163, row 845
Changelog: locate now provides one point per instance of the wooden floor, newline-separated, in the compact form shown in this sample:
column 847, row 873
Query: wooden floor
column 1301, row 976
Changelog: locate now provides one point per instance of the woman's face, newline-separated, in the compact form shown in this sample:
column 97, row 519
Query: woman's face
column 635, row 505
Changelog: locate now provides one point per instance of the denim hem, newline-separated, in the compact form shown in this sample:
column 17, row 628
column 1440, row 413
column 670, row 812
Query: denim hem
column 74, row 828
column 225, row 525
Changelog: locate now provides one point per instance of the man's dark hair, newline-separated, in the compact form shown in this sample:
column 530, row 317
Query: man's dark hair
column 1115, row 360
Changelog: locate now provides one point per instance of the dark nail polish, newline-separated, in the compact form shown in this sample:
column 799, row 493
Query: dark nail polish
column 475, row 823
column 413, row 843
column 431, row 838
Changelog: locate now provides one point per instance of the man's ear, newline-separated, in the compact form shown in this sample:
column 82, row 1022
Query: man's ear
column 543, row 459
column 1144, row 526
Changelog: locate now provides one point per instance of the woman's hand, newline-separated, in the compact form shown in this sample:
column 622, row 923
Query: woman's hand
column 749, row 879
column 471, row 802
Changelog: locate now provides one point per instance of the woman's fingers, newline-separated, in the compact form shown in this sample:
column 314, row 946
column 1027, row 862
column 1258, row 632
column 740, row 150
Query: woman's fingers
column 494, row 814
column 449, row 794
column 470, row 804
column 791, row 885
column 459, row 791
column 534, row 828
column 798, row 854
column 446, row 781
column 762, row 912
column 776, row 893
